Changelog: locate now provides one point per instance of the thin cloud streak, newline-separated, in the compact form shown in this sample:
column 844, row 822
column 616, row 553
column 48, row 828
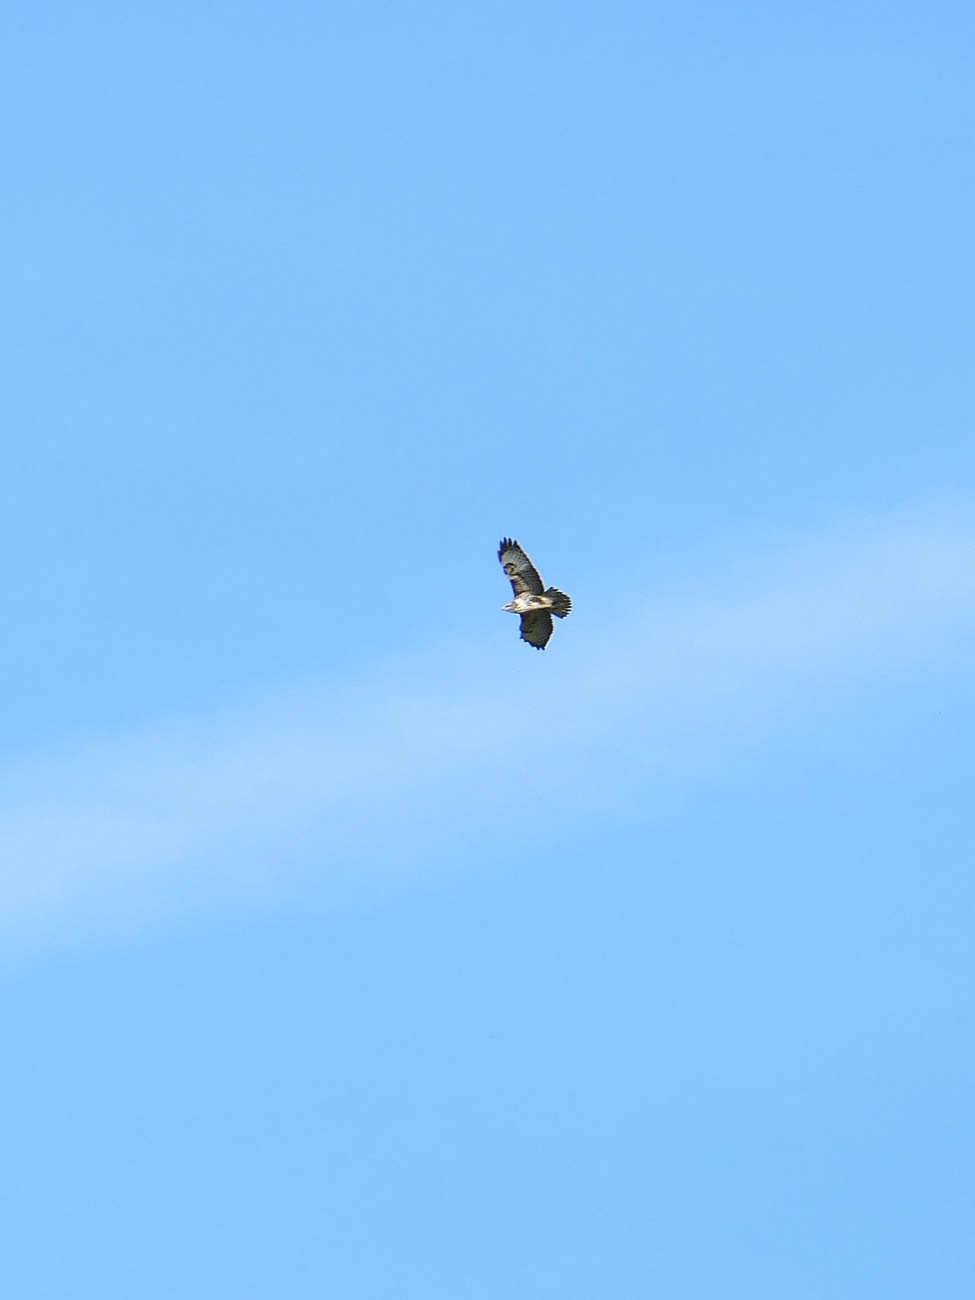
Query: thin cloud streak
column 335, row 786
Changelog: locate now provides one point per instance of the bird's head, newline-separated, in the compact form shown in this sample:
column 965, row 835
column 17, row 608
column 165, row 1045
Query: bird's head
column 511, row 607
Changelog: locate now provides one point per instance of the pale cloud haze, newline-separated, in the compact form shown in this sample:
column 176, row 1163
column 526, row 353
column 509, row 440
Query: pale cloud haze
column 330, row 784
column 348, row 946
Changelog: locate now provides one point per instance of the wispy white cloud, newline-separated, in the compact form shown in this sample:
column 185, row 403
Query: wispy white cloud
column 340, row 782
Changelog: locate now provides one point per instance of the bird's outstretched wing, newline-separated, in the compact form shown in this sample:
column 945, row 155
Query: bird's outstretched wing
column 536, row 628
column 522, row 574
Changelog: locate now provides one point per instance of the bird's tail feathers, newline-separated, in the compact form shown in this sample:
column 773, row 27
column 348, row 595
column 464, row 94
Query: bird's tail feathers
column 561, row 604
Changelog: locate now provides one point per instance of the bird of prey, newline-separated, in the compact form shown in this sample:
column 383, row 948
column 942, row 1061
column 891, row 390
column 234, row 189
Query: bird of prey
column 533, row 601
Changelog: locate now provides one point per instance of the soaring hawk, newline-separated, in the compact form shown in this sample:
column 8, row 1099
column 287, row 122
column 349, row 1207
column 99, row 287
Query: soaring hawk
column 532, row 601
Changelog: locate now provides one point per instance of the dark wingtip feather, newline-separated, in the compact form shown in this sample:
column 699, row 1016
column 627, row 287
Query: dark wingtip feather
column 506, row 545
column 534, row 644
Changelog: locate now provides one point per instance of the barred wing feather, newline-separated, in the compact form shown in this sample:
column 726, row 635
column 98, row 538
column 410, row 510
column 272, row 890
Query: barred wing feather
column 536, row 628
column 522, row 574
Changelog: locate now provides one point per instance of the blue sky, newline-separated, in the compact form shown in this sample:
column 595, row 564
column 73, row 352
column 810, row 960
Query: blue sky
column 349, row 947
